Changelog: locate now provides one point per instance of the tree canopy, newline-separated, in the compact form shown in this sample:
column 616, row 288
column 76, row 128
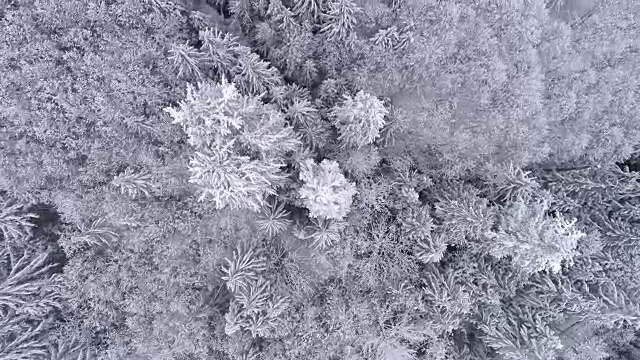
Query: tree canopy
column 321, row 180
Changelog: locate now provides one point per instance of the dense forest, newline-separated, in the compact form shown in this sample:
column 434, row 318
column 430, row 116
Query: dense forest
column 319, row 179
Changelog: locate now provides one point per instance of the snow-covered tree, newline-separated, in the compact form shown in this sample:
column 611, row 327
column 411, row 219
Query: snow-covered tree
column 15, row 223
column 340, row 20
column 535, row 240
column 590, row 72
column 325, row 190
column 185, row 60
column 256, row 306
column 359, row 119
column 239, row 144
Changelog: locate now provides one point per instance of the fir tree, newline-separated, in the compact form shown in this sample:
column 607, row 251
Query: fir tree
column 535, row 241
column 273, row 219
column 29, row 300
column 98, row 234
column 14, row 222
column 359, row 119
column 326, row 192
column 309, row 9
column 256, row 307
column 460, row 237
column 324, row 233
column 133, row 183
column 239, row 145
column 283, row 16
column 255, row 76
column 340, row 21
column 359, row 163
column 221, row 50
column 392, row 39
column 185, row 60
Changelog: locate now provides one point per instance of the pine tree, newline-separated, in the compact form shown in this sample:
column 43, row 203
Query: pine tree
column 359, row 163
column 255, row 76
column 511, row 183
column 515, row 339
column 242, row 10
column 273, row 219
column 340, row 21
column 70, row 349
column 242, row 269
column 239, row 145
column 446, row 301
column 221, row 50
column 98, row 234
column 282, row 16
column 324, row 233
column 307, row 122
column 209, row 114
column 266, row 37
column 309, row 9
column 29, row 298
column 133, row 183
column 395, row 125
column 533, row 239
column 392, row 39
column 359, row 120
column 185, row 60
column 234, row 181
column 326, row 192
column 164, row 6
column 267, row 134
column 14, row 222
column 418, row 227
column 585, row 57
column 19, row 340
column 465, row 215
column 256, row 307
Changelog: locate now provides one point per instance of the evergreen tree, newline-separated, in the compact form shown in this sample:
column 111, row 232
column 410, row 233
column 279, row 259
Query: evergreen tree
column 340, row 20
column 535, row 241
column 359, row 119
column 386, row 179
column 585, row 55
column 83, row 103
column 326, row 192
column 239, row 144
